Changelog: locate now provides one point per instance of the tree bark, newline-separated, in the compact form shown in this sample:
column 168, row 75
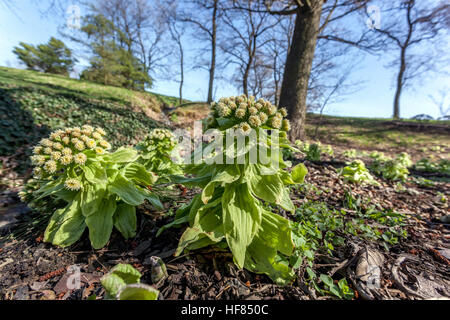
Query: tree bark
column 212, row 68
column 294, row 87
column 398, row 90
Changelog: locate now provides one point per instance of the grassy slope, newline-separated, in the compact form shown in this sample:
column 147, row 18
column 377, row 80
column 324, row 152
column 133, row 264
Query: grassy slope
column 32, row 104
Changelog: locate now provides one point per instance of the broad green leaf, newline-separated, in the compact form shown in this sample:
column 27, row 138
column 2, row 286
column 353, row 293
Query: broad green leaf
column 127, row 273
column 261, row 258
column 112, row 284
column 138, row 173
column 123, row 155
column 100, row 223
column 152, row 198
column 50, row 188
column 205, row 230
column 269, row 188
column 226, row 174
column 138, row 292
column 119, row 276
column 125, row 220
column 66, row 225
column 276, row 231
column 299, row 172
column 126, row 190
column 91, row 198
column 95, row 173
column 241, row 220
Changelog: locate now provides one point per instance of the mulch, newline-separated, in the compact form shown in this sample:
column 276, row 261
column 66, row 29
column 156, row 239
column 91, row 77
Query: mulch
column 416, row 268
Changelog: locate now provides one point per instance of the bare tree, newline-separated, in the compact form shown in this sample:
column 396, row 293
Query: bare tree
column 244, row 42
column 408, row 24
column 204, row 16
column 442, row 102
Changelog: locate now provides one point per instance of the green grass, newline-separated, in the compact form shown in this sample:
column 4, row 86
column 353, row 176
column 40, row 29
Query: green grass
column 411, row 136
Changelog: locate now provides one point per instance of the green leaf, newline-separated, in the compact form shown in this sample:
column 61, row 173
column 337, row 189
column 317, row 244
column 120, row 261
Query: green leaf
column 138, row 292
column 152, row 198
column 241, row 220
column 66, row 225
column 206, row 228
column 91, row 198
column 123, row 155
column 95, row 173
column 50, row 188
column 125, row 220
column 119, row 276
column 269, row 188
column 100, row 224
column 226, row 174
column 326, row 279
column 126, row 190
column 299, row 172
column 138, row 173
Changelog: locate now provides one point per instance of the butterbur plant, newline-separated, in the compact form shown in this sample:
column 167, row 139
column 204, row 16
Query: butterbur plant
column 100, row 188
column 356, row 172
column 391, row 169
column 156, row 152
column 230, row 212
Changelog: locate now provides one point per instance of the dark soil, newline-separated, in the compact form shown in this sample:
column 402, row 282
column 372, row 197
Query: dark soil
column 30, row 269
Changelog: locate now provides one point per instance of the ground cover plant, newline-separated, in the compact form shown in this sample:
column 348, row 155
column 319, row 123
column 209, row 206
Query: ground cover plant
column 101, row 188
column 229, row 211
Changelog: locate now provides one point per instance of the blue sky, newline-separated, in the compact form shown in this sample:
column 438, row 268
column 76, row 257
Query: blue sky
column 373, row 99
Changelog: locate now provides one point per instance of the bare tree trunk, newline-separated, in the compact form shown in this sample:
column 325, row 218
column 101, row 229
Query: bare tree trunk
column 398, row 90
column 298, row 67
column 212, row 68
column 181, row 72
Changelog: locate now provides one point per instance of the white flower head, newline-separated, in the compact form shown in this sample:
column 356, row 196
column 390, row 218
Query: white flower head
column 80, row 158
column 252, row 111
column 101, row 131
column 55, row 155
column 90, row 143
column 72, row 184
column 79, row 145
column 254, row 121
column 240, row 113
column 263, row 117
column 66, row 159
column 275, row 122
column 37, row 149
column 57, row 146
column 66, row 151
column 97, row 135
column 50, row 166
column 99, row 150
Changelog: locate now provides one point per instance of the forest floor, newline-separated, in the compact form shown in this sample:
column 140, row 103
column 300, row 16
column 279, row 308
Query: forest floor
column 403, row 230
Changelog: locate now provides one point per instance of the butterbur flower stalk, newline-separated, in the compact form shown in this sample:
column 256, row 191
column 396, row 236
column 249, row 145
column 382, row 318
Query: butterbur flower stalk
column 229, row 210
